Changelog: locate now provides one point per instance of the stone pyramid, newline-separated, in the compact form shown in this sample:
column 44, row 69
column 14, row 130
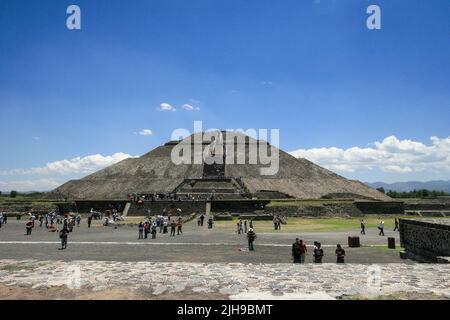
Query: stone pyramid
column 155, row 172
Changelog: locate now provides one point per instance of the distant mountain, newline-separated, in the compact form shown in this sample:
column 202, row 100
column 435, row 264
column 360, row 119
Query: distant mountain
column 438, row 185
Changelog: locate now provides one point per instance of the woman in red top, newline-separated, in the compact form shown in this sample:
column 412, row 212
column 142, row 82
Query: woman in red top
column 303, row 251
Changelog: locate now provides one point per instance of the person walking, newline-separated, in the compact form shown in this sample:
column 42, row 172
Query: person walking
column 29, row 227
column 251, row 237
column 396, row 225
column 141, row 230
column 63, row 235
column 146, row 229
column 245, row 226
column 303, row 251
column 296, row 251
column 363, row 227
column 154, row 230
column 202, row 218
column 381, row 228
column 89, row 221
column 173, row 226
column 318, row 252
column 210, row 223
column 78, row 220
column 340, row 254
column 71, row 223
column 180, row 226
column 275, row 223
column 165, row 227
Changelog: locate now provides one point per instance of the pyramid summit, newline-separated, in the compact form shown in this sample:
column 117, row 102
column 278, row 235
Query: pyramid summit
column 222, row 164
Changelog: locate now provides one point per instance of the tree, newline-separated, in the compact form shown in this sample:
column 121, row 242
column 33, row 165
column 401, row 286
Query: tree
column 13, row 194
column 381, row 189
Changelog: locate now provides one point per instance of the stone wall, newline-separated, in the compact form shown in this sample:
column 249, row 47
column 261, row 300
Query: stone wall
column 425, row 240
column 326, row 210
column 381, row 207
column 85, row 206
column 440, row 204
column 241, row 206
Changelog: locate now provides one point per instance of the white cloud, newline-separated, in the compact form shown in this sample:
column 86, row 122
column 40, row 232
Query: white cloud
column 189, row 107
column 396, row 169
column 86, row 164
column 390, row 155
column 145, row 132
column 166, row 107
column 266, row 83
column 192, row 105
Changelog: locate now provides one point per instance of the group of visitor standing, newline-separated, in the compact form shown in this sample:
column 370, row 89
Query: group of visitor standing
column 151, row 227
column 300, row 250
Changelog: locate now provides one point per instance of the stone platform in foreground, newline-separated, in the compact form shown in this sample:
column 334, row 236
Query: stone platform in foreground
column 147, row 280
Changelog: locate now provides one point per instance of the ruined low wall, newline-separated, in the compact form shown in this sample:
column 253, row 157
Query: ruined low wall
column 425, row 240
column 441, row 204
column 85, row 206
column 381, row 207
column 326, row 210
column 241, row 206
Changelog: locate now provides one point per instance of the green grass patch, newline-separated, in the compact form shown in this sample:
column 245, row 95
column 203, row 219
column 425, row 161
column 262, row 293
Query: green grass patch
column 295, row 225
column 301, row 203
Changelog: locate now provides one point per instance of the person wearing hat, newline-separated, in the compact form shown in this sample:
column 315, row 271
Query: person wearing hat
column 381, row 228
column 29, row 226
column 251, row 236
column 296, row 252
column 318, row 252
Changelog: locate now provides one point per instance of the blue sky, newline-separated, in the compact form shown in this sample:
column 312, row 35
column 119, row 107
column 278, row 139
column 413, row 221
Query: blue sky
column 309, row 68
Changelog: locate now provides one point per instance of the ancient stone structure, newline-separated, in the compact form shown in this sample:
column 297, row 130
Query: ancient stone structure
column 155, row 172
column 426, row 241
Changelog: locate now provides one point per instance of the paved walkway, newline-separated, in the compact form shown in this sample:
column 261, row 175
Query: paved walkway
column 197, row 244
column 232, row 280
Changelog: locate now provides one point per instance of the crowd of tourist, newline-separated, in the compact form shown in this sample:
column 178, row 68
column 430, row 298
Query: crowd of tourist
column 140, row 198
column 64, row 225
column 161, row 223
